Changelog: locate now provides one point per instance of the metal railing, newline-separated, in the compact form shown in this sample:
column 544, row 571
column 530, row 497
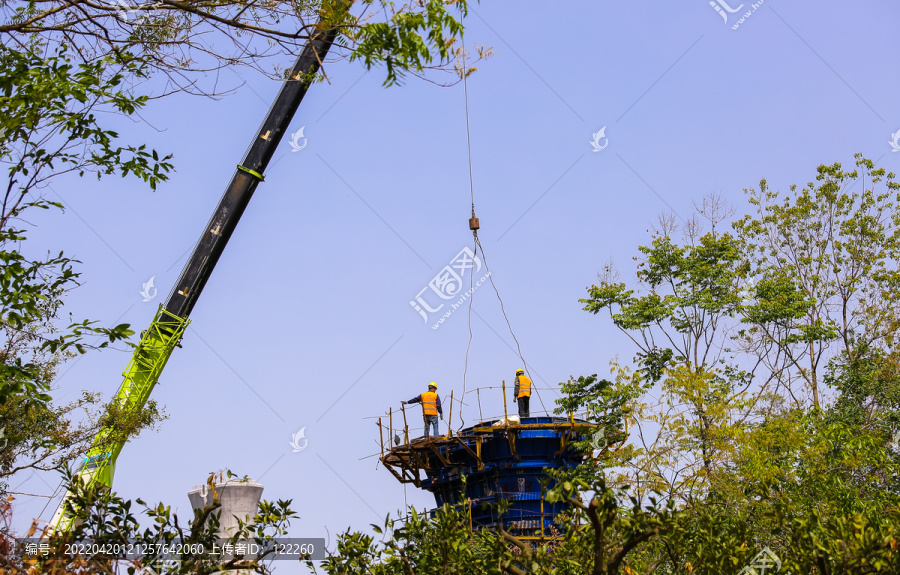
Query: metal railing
column 400, row 434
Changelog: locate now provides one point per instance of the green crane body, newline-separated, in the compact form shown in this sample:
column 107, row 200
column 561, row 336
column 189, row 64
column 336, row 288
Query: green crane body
column 141, row 375
column 171, row 320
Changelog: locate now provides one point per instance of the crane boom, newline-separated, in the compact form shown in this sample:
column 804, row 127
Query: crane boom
column 168, row 325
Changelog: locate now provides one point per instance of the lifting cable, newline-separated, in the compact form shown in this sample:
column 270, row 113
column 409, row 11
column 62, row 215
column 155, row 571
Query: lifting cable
column 474, row 226
column 508, row 324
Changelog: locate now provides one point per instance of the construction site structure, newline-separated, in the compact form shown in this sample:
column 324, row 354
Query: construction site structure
column 502, row 459
column 239, row 500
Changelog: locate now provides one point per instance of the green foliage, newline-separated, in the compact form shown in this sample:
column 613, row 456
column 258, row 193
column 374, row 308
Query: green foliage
column 46, row 436
column 817, row 494
column 610, row 533
column 109, row 521
column 868, row 387
column 606, row 402
column 49, row 127
column 184, row 41
column 409, row 40
column 691, row 290
column 777, row 301
column 724, row 328
column 826, row 257
column 419, row 544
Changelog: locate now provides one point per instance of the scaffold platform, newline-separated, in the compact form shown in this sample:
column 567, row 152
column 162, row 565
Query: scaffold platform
column 501, row 460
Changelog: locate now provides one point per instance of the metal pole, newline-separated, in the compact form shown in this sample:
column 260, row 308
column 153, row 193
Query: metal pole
column 504, row 402
column 542, row 514
column 450, row 420
column 405, row 426
column 481, row 415
column 391, row 421
column 381, row 435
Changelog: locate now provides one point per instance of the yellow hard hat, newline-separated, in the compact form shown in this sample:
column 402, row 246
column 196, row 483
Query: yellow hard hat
column 518, row 371
column 432, row 384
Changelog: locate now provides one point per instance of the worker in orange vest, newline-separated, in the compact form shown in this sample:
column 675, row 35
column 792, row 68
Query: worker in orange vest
column 522, row 392
column 431, row 407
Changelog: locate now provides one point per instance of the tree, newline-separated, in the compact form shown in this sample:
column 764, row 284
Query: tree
column 49, row 128
column 187, row 39
column 808, row 275
column 735, row 335
column 418, row 544
column 118, row 541
column 598, row 537
column 829, row 253
column 681, row 327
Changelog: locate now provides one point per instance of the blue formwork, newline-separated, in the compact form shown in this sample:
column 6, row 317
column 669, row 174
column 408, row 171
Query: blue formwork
column 501, row 463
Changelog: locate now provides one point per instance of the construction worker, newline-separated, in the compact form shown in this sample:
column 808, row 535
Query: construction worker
column 431, row 407
column 522, row 392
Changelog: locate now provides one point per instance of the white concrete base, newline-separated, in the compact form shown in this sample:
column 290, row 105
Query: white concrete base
column 238, row 498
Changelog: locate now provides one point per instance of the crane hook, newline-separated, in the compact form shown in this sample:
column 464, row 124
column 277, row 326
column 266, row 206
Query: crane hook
column 473, row 223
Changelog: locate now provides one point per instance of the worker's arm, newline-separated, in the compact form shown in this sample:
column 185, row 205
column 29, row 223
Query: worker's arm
column 516, row 388
column 441, row 411
column 416, row 399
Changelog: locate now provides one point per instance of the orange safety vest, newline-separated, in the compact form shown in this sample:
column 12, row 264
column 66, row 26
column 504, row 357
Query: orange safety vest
column 524, row 386
column 429, row 403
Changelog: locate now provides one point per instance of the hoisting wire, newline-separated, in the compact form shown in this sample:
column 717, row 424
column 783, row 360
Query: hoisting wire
column 474, row 226
column 462, row 421
column 468, row 138
column 508, row 325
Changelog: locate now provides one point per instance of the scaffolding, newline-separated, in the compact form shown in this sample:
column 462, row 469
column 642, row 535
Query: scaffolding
column 502, row 458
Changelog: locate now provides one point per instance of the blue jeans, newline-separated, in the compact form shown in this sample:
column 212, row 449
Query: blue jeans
column 431, row 420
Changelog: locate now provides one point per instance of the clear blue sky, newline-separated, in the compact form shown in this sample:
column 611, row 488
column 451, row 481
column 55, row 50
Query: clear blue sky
column 306, row 321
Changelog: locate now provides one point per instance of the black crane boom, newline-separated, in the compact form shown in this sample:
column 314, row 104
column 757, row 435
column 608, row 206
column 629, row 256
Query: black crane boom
column 247, row 176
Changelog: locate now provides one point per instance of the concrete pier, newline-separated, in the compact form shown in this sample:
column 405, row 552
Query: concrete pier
column 239, row 500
